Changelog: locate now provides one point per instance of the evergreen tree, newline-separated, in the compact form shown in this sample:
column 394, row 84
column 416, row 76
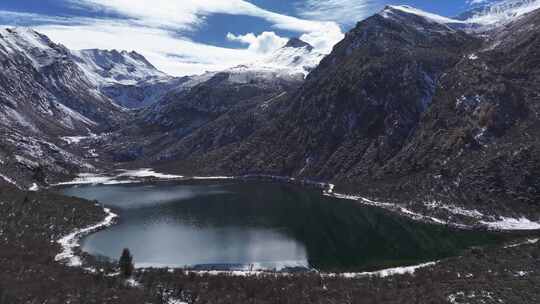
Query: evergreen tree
column 126, row 263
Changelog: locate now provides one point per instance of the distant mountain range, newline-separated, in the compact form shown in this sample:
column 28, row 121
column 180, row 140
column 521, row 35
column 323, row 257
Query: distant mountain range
column 409, row 106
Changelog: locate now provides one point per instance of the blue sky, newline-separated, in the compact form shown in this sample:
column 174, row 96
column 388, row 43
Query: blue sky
column 192, row 36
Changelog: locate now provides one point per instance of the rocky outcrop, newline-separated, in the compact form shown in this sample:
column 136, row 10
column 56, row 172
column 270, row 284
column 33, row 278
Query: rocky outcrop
column 43, row 97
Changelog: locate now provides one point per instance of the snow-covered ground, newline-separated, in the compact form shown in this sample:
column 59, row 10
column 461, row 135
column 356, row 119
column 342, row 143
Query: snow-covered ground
column 501, row 12
column 527, row 242
column 390, row 271
column 104, row 67
column 392, row 9
column 146, row 172
column 123, row 177
column 71, row 241
column 502, row 223
column 507, row 223
column 9, row 180
column 34, row 187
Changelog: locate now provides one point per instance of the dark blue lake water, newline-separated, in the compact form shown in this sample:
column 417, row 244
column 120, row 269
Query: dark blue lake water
column 231, row 224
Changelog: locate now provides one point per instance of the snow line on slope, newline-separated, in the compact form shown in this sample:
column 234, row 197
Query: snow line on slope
column 133, row 176
column 527, row 242
column 503, row 224
column 508, row 223
column 146, row 172
column 9, row 180
column 390, row 271
column 389, row 206
column 71, row 241
column 34, row 187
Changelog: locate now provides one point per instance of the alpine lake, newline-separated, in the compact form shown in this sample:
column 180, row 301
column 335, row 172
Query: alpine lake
column 230, row 224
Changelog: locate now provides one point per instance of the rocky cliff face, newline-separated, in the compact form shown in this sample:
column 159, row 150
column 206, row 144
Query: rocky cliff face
column 125, row 77
column 216, row 109
column 408, row 106
column 478, row 143
column 358, row 107
column 44, row 96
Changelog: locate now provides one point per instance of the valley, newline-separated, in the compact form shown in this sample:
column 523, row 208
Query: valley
column 325, row 177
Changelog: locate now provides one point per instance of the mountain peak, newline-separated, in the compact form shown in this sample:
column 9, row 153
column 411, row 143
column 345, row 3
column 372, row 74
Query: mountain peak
column 399, row 11
column 298, row 43
column 115, row 67
column 493, row 13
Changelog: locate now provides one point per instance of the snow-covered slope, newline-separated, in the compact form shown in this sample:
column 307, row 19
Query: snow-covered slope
column 105, row 67
column 296, row 58
column 44, row 95
column 482, row 17
column 35, row 47
column 397, row 11
column 125, row 77
column 42, row 83
column 493, row 13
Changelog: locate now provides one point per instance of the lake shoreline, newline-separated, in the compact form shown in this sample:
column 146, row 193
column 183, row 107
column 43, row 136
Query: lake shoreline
column 456, row 275
column 327, row 190
column 455, row 217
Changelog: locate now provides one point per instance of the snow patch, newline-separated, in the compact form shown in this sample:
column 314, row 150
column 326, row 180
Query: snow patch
column 212, row 177
column 388, row 206
column 391, row 271
column 104, row 67
column 502, row 12
column 175, row 301
column 125, row 177
column 391, row 9
column 527, row 242
column 73, row 139
column 131, row 282
column 454, row 209
column 9, row 180
column 71, row 241
column 473, row 56
column 34, row 187
column 147, row 172
column 508, row 223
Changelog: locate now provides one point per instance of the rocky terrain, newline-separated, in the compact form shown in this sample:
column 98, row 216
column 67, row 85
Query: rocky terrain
column 410, row 107
column 45, row 96
column 30, row 224
column 125, row 77
column 432, row 115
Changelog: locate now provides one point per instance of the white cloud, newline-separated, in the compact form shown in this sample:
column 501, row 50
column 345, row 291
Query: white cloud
column 345, row 12
column 188, row 14
column 324, row 40
column 264, row 43
column 157, row 30
column 161, row 47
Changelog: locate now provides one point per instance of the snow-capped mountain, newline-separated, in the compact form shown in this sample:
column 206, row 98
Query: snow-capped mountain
column 482, row 17
column 42, row 74
column 35, row 47
column 44, row 95
column 105, row 67
column 294, row 59
column 125, row 77
column 403, row 13
column 490, row 13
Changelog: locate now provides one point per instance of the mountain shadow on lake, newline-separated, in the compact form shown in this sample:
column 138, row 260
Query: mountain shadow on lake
column 271, row 225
